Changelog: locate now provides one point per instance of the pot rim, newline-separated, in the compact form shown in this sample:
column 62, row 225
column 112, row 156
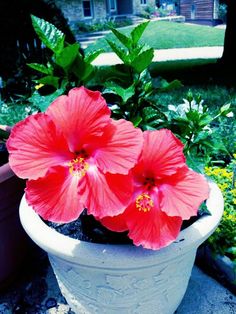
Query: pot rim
column 99, row 255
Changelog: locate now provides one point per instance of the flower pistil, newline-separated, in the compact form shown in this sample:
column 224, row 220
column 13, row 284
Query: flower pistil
column 144, row 202
column 78, row 167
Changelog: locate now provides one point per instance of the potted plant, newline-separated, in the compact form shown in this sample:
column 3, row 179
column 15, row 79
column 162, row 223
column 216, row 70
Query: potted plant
column 132, row 182
column 118, row 174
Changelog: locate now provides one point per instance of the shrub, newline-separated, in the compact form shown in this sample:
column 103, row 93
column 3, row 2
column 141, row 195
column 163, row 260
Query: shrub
column 223, row 241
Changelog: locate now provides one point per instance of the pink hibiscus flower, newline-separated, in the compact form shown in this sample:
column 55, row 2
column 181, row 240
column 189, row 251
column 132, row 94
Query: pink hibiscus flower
column 75, row 156
column 166, row 191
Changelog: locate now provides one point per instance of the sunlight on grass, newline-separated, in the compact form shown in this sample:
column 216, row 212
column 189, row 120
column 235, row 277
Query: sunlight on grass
column 164, row 35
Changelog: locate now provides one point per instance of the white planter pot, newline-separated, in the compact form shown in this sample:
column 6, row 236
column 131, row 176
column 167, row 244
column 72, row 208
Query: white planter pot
column 123, row 279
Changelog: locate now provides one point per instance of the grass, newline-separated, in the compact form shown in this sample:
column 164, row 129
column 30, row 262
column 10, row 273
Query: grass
column 164, row 35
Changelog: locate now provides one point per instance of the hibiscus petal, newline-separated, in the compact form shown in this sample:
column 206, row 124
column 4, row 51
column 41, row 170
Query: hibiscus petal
column 55, row 197
column 182, row 194
column 152, row 229
column 35, row 145
column 162, row 153
column 118, row 149
column 105, row 194
column 80, row 115
column 116, row 223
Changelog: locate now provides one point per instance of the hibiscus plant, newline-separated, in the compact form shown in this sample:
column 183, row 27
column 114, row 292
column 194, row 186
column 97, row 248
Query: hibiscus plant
column 114, row 164
column 66, row 67
column 76, row 157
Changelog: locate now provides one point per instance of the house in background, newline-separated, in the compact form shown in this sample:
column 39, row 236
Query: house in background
column 88, row 10
column 98, row 10
column 199, row 10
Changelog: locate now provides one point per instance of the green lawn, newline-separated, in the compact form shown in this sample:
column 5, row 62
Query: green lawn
column 164, row 35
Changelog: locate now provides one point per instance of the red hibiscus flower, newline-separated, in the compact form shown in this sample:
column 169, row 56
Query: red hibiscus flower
column 75, row 156
column 166, row 191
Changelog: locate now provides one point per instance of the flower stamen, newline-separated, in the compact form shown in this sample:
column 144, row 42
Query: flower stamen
column 78, row 167
column 144, row 202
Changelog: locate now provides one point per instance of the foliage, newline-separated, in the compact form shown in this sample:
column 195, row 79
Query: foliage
column 135, row 98
column 81, row 27
column 68, row 67
column 130, row 90
column 194, row 124
column 130, row 84
column 222, row 12
column 15, row 111
column 214, row 97
column 223, row 241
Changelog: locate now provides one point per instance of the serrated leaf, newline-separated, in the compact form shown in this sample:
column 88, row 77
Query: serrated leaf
column 40, row 68
column 52, row 37
column 119, row 51
column 93, row 55
column 67, row 55
column 137, row 32
column 142, row 61
column 125, row 40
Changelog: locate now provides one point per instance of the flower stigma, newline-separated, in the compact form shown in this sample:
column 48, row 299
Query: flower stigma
column 144, row 202
column 78, row 167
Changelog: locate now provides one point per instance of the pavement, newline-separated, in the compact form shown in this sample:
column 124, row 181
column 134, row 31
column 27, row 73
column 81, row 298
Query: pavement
column 110, row 58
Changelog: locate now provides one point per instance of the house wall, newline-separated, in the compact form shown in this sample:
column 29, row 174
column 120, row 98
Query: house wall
column 138, row 7
column 73, row 11
column 197, row 9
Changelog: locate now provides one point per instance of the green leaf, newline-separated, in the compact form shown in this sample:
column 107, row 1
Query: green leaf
column 205, row 119
column 141, row 62
column 67, row 55
column 52, row 37
column 203, row 210
column 42, row 102
column 126, row 41
column 136, row 121
column 119, row 51
column 172, row 85
column 225, row 108
column 124, row 93
column 93, row 55
column 195, row 163
column 81, row 69
column 137, row 32
column 40, row 68
column 49, row 80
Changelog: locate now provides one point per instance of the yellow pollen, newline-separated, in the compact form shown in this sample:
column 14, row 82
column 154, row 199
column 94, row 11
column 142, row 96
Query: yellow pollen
column 144, row 202
column 78, row 167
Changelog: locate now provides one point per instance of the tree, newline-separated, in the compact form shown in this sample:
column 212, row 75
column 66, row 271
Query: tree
column 229, row 53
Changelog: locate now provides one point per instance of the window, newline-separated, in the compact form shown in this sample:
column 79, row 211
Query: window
column 87, row 9
column 112, row 5
column 143, row 1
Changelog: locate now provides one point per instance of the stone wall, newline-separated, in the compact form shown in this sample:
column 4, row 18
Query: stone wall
column 73, row 10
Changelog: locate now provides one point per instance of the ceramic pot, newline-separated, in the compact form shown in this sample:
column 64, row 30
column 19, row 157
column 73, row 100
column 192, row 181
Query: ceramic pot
column 112, row 279
column 13, row 239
